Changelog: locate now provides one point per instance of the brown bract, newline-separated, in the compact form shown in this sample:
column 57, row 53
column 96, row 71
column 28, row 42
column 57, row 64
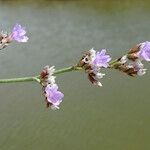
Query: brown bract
column 129, row 71
column 44, row 74
column 81, row 62
column 133, row 52
column 5, row 40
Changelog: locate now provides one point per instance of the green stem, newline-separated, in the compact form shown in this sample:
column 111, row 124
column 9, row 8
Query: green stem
column 24, row 79
column 112, row 63
column 68, row 69
column 36, row 78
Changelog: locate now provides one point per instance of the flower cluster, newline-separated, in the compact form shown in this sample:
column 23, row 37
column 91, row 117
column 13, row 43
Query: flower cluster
column 18, row 34
column 92, row 62
column 53, row 97
column 131, row 63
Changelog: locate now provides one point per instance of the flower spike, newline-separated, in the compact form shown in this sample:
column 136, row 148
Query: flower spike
column 92, row 62
column 53, row 97
column 18, row 34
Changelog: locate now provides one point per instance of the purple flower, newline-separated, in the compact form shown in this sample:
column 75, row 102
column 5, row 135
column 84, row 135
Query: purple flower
column 102, row 59
column 53, row 96
column 18, row 33
column 145, row 51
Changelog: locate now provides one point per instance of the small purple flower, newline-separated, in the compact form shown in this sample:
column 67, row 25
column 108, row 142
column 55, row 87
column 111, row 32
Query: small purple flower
column 53, row 96
column 145, row 51
column 18, row 33
column 102, row 59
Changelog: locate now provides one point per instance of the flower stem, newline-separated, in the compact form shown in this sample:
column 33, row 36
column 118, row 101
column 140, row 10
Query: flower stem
column 12, row 80
column 68, row 69
column 112, row 63
column 36, row 78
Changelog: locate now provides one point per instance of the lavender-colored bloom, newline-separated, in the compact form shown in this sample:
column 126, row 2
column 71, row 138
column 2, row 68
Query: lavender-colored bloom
column 102, row 59
column 54, row 97
column 18, row 33
column 145, row 51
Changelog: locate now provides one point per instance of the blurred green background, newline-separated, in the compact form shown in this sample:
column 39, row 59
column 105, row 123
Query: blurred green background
column 114, row 117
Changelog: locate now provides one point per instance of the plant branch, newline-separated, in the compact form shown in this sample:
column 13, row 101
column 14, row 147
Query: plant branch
column 37, row 78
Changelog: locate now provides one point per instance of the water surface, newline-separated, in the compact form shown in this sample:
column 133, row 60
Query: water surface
column 115, row 117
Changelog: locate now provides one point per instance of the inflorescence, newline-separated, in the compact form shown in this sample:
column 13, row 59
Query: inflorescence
column 92, row 62
column 17, row 34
